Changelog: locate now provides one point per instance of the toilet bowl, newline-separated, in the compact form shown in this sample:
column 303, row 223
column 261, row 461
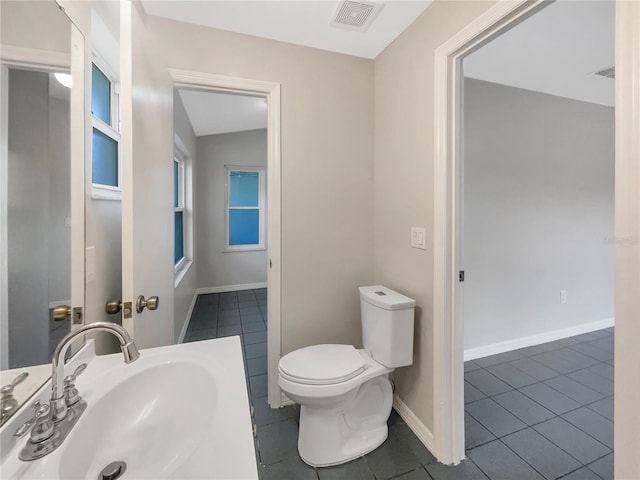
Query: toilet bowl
column 344, row 393
column 345, row 400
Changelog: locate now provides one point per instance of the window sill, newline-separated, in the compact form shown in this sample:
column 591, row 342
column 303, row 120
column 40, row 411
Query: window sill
column 100, row 193
column 251, row 248
column 182, row 272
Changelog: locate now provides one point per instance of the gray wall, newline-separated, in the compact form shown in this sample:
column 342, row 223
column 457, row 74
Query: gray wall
column 38, row 246
column 185, row 290
column 216, row 267
column 59, row 194
column 538, row 210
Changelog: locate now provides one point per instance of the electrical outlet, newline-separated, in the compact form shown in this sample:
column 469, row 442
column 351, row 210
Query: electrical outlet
column 563, row 297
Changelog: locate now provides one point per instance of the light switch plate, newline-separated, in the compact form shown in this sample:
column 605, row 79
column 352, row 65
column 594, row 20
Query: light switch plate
column 419, row 238
column 90, row 264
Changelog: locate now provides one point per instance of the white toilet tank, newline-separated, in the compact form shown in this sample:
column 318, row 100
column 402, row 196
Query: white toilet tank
column 387, row 325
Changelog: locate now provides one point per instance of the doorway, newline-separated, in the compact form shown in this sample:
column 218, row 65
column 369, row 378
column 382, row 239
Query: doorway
column 270, row 92
column 538, row 135
column 448, row 333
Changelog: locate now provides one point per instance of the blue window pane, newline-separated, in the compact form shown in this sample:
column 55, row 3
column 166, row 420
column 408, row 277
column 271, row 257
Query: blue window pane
column 100, row 95
column 105, row 159
column 179, row 238
column 243, row 189
column 176, row 178
column 243, row 227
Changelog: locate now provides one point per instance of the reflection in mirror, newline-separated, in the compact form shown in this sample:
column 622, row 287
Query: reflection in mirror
column 38, row 214
column 36, row 208
column 103, row 173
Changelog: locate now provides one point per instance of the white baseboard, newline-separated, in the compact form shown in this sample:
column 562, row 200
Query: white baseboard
column 231, row 288
column 284, row 400
column 516, row 343
column 183, row 332
column 58, row 303
column 414, row 423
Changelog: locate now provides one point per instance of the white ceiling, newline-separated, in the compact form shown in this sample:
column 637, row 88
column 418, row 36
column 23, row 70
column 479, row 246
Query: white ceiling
column 211, row 113
column 302, row 22
column 556, row 51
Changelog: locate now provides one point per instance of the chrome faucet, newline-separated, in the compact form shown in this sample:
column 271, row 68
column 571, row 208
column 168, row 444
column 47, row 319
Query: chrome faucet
column 52, row 423
column 129, row 350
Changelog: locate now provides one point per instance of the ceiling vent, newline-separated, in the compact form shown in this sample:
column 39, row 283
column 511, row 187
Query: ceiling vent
column 607, row 72
column 356, row 16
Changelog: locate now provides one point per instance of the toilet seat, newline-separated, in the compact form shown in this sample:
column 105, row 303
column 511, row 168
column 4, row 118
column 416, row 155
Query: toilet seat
column 327, row 364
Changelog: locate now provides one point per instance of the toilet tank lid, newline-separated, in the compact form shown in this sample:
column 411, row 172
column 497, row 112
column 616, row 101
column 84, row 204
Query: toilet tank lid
column 386, row 298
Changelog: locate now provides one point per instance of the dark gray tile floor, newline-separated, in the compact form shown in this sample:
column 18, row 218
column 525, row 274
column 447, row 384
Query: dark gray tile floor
column 543, row 412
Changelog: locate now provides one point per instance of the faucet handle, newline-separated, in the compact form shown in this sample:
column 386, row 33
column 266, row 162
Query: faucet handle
column 43, row 427
column 71, row 394
column 8, row 389
column 41, row 409
column 8, row 403
column 71, row 379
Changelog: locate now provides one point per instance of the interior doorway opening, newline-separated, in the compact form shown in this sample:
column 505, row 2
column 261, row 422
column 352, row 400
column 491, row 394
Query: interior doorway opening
column 242, row 211
column 448, row 331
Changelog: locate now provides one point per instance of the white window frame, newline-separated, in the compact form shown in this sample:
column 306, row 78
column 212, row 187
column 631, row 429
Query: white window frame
column 179, row 159
column 112, row 130
column 261, row 208
column 181, row 153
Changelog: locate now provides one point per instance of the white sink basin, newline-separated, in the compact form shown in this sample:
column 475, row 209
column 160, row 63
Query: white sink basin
column 178, row 412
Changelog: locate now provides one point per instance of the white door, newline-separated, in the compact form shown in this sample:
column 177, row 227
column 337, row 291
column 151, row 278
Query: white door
column 147, row 185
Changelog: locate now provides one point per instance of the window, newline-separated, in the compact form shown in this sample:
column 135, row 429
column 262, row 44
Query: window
column 182, row 210
column 105, row 135
column 179, row 212
column 245, row 208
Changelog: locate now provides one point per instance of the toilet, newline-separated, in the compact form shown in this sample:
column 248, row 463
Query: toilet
column 344, row 393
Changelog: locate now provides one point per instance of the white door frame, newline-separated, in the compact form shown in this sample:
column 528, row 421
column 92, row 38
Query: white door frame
column 272, row 93
column 627, row 240
column 448, row 341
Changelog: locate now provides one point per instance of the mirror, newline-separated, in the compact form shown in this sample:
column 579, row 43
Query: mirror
column 41, row 207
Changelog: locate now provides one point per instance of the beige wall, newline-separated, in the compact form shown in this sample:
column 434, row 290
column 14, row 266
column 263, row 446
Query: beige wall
column 216, row 267
column 403, row 171
column 327, row 176
column 186, row 289
column 36, row 24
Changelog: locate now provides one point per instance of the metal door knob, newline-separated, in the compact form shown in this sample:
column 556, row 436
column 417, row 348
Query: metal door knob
column 62, row 312
column 113, row 306
column 151, row 303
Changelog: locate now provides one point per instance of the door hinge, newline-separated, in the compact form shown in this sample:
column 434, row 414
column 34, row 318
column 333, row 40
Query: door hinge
column 461, row 276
